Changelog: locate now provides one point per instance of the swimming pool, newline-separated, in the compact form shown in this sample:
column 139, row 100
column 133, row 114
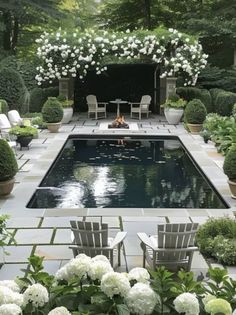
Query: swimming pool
column 139, row 172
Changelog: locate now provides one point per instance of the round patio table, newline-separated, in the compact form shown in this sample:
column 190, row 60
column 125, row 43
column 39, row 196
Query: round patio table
column 118, row 102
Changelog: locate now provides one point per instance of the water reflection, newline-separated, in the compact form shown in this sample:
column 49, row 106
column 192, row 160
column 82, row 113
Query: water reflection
column 140, row 173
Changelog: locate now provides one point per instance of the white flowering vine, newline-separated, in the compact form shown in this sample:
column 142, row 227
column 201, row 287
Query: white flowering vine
column 70, row 54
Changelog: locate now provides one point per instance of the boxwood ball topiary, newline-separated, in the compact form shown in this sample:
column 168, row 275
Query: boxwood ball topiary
column 52, row 110
column 230, row 163
column 195, row 112
column 8, row 164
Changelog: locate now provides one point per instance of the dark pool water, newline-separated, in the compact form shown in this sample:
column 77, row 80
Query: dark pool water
column 151, row 173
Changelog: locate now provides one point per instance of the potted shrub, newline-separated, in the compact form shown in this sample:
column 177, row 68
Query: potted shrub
column 24, row 134
column 52, row 113
column 194, row 115
column 174, row 109
column 8, row 168
column 67, row 108
column 229, row 168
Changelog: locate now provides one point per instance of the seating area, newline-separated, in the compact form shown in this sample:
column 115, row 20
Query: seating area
column 99, row 109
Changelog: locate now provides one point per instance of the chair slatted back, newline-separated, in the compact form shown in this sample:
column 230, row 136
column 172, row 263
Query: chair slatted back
column 4, row 122
column 92, row 102
column 14, row 118
column 90, row 237
column 145, row 102
column 175, row 236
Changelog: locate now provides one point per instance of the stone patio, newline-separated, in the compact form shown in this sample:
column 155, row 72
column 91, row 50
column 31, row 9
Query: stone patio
column 46, row 232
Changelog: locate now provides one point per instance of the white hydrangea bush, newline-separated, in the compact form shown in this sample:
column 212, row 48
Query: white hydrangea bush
column 91, row 285
column 70, row 54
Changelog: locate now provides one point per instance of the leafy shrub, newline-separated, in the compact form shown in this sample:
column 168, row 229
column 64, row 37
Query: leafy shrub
column 3, row 107
column 224, row 103
column 23, row 131
column 214, row 77
column 26, row 69
column 209, row 239
column 61, row 98
column 52, row 110
column 230, row 163
column 190, row 93
column 173, row 97
column 195, row 112
column 13, row 90
column 95, row 295
column 222, row 131
column 8, row 164
column 38, row 97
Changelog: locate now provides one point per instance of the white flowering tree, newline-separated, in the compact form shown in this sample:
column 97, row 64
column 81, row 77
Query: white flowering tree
column 66, row 54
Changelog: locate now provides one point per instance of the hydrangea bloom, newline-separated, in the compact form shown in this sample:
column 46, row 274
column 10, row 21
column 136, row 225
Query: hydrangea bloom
column 10, row 309
column 216, row 306
column 114, row 283
column 207, row 298
column 98, row 269
column 11, row 284
column 139, row 274
column 59, row 311
column 77, row 267
column 141, row 299
column 36, row 294
column 7, row 296
column 100, row 258
column 187, row 303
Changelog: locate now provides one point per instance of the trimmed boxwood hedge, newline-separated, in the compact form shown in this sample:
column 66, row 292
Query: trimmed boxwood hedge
column 13, row 90
column 225, row 102
column 39, row 96
column 190, row 93
column 8, row 164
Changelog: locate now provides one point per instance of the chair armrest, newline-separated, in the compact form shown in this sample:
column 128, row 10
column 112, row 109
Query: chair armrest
column 169, row 250
column 146, row 240
column 102, row 103
column 131, row 103
column 118, row 239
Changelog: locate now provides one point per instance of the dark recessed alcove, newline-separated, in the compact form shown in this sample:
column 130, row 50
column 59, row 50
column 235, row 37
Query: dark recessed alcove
column 127, row 82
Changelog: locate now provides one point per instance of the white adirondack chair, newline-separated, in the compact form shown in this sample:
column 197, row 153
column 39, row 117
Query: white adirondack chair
column 91, row 238
column 173, row 246
column 14, row 118
column 95, row 107
column 141, row 108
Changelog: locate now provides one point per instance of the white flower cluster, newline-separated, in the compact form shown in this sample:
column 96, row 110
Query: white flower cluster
column 139, row 274
column 141, row 299
column 36, row 294
column 187, row 303
column 66, row 55
column 59, row 311
column 114, row 283
column 11, row 284
column 10, row 309
column 83, row 266
column 7, row 296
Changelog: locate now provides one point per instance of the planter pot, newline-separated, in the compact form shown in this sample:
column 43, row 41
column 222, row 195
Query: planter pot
column 232, row 186
column 67, row 115
column 195, row 128
column 24, row 141
column 6, row 187
column 54, row 127
column 173, row 115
